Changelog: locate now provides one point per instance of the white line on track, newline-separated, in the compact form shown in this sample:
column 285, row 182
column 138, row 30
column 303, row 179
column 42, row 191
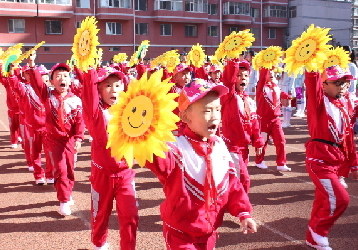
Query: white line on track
column 283, row 235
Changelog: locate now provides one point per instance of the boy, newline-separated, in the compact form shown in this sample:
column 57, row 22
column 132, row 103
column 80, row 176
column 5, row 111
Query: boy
column 64, row 126
column 198, row 176
column 326, row 151
column 109, row 179
column 269, row 111
column 240, row 126
column 214, row 74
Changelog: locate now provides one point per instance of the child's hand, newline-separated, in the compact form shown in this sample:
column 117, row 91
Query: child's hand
column 77, row 146
column 354, row 175
column 248, row 226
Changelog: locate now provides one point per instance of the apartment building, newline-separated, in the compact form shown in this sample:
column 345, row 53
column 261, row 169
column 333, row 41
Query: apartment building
column 123, row 24
column 355, row 25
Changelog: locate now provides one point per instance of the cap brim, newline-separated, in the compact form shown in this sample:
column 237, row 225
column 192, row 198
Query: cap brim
column 347, row 77
column 119, row 74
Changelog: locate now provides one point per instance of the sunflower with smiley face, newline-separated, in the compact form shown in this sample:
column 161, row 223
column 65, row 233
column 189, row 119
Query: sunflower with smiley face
column 142, row 120
column 197, row 55
column 307, row 51
column 268, row 58
column 9, row 56
column 85, row 44
column 337, row 56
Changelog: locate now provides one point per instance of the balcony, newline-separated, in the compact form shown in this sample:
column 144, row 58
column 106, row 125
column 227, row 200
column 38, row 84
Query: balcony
column 55, row 8
column 115, row 9
column 26, row 8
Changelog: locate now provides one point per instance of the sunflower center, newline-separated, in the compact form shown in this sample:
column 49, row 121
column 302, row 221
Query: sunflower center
column 84, row 44
column 305, row 50
column 233, row 44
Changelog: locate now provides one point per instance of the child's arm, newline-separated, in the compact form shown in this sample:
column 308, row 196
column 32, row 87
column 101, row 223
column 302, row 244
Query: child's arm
column 36, row 82
column 15, row 84
column 90, row 96
column 314, row 93
column 79, row 128
column 262, row 81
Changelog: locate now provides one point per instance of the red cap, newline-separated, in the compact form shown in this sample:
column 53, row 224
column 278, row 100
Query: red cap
column 59, row 65
column 104, row 73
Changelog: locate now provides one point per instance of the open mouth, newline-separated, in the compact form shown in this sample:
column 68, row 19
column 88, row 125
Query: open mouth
column 243, row 84
column 62, row 85
column 113, row 98
column 212, row 127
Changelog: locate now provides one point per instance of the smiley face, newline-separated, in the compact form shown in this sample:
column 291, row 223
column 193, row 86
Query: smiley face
column 233, row 43
column 84, row 43
column 137, row 116
column 269, row 56
column 196, row 56
column 305, row 50
column 331, row 61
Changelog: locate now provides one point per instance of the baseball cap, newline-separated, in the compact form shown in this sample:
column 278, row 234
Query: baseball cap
column 196, row 90
column 104, row 73
column 336, row 72
column 214, row 68
column 59, row 65
column 181, row 67
column 244, row 64
column 42, row 69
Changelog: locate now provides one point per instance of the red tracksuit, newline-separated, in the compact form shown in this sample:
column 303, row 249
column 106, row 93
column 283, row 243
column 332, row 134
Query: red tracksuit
column 240, row 126
column 269, row 111
column 34, row 112
column 180, row 124
column 64, row 125
column 327, row 121
column 109, row 179
column 189, row 222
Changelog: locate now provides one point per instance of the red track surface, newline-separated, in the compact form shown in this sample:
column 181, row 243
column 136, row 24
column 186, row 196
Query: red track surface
column 282, row 202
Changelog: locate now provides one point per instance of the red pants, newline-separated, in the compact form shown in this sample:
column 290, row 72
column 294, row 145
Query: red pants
column 62, row 154
column 104, row 189
column 241, row 161
column 331, row 198
column 14, row 125
column 173, row 241
column 26, row 143
column 49, row 172
column 273, row 128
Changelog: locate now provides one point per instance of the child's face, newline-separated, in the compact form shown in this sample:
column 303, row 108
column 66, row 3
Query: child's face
column 242, row 79
column 203, row 116
column 272, row 77
column 215, row 75
column 335, row 89
column 61, row 80
column 109, row 89
column 27, row 77
column 46, row 80
column 182, row 78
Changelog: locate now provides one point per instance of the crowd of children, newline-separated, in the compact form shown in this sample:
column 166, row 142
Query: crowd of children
column 205, row 173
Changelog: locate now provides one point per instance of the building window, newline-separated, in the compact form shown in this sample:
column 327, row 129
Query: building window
column 53, row 27
column 59, row 2
column 165, row 29
column 233, row 28
column 140, row 4
column 176, row 5
column 292, row 12
column 191, row 30
column 16, row 25
column 18, row 1
column 355, row 22
column 213, row 31
column 78, row 24
column 213, row 9
column 355, row 11
column 46, row 48
column 355, row 33
column 116, row 4
column 272, row 33
column 114, row 49
column 196, row 6
column 141, row 29
column 83, row 3
column 234, row 8
column 113, row 28
column 276, row 11
column 257, row 33
column 255, row 12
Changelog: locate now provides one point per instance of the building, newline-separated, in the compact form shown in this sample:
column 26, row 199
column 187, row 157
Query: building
column 355, row 25
column 334, row 14
column 124, row 24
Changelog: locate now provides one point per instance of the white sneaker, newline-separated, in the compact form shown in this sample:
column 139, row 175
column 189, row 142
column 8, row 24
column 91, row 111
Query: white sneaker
column 13, row 146
column 318, row 242
column 50, row 181
column 283, row 168
column 90, row 138
column 64, row 209
column 261, row 165
column 104, row 247
column 343, row 182
column 40, row 181
column 31, row 168
column 318, row 247
column 71, row 201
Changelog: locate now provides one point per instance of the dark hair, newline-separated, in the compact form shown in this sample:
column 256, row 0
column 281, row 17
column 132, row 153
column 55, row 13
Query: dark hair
column 58, row 69
column 251, row 53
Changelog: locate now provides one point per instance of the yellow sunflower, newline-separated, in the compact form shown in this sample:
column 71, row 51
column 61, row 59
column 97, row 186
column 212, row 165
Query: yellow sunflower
column 307, row 51
column 336, row 56
column 269, row 57
column 120, row 58
column 197, row 55
column 28, row 53
column 234, row 44
column 85, row 44
column 9, row 56
column 254, row 63
column 142, row 120
column 140, row 53
column 99, row 57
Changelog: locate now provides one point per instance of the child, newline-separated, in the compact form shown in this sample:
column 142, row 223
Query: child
column 198, row 175
column 326, row 151
column 240, row 126
column 269, row 111
column 109, row 179
column 64, row 125
column 214, row 74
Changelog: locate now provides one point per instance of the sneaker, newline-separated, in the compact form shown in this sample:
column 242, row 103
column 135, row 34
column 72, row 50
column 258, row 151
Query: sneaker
column 90, row 138
column 31, row 168
column 64, row 209
column 50, row 181
column 343, row 182
column 19, row 140
column 13, row 146
column 104, row 247
column 261, row 165
column 40, row 181
column 71, row 202
column 283, row 168
column 317, row 241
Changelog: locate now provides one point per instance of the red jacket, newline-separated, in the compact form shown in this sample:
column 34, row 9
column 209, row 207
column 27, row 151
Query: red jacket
column 72, row 124
column 238, row 129
column 182, row 173
column 11, row 96
column 97, row 115
column 326, row 121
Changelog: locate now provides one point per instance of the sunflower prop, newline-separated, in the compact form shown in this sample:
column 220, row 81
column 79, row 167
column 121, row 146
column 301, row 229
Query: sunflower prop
column 336, row 56
column 142, row 120
column 234, row 44
column 197, row 55
column 99, row 57
column 85, row 44
column 28, row 53
column 307, row 51
column 140, row 53
column 9, row 56
column 120, row 58
column 170, row 60
column 269, row 58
